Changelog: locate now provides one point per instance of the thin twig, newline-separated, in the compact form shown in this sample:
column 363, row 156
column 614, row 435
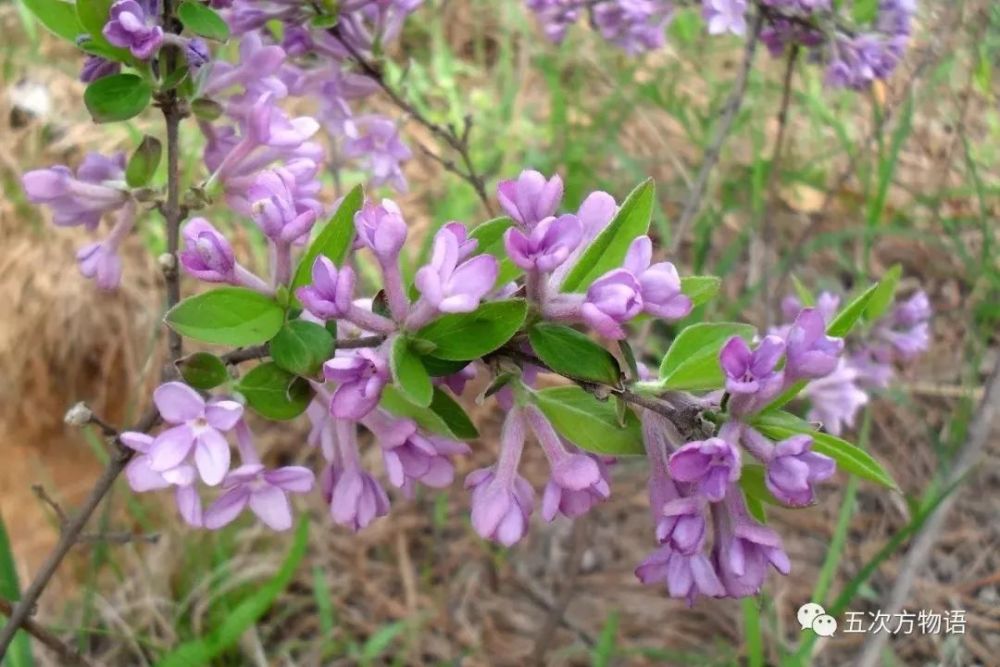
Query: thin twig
column 67, row 655
column 43, row 495
column 255, row 352
column 972, row 450
column 733, row 103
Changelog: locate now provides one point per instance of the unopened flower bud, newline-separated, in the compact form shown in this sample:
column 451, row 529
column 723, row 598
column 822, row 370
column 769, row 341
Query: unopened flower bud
column 78, row 415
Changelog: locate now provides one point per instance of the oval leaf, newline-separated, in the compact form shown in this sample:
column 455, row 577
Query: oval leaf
column 117, row 97
column 467, row 336
column 143, row 163
column 227, row 316
column 590, row 424
column 700, row 289
column 692, row 362
column 572, row 354
column 607, row 251
column 202, row 20
column 203, row 370
column 301, row 347
column 394, row 402
column 275, row 393
column 333, row 240
column 409, row 373
column 58, row 16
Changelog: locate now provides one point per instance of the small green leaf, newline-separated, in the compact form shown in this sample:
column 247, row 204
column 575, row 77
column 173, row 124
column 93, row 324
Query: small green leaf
column 333, row 240
column 409, row 373
column 467, row 336
column 608, row 250
column 589, row 423
column 58, row 16
column 395, row 402
column 143, row 163
column 301, row 347
column 207, row 109
column 692, row 362
column 850, row 314
column 452, row 414
column 884, row 293
column 700, row 289
column 234, row 316
column 275, row 393
column 237, row 620
column 572, row 354
column 117, row 97
column 805, row 296
column 850, row 458
column 202, row 370
column 202, row 20
column 93, row 15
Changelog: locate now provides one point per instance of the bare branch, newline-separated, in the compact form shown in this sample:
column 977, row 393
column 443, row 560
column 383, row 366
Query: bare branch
column 67, row 655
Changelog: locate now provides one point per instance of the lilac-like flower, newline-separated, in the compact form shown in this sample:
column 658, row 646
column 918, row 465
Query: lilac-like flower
column 196, row 425
column 450, row 284
column 659, row 283
column 97, row 188
column 269, row 126
column 375, row 140
column 100, row 262
column 547, row 245
column 264, row 491
column 196, row 52
column 331, row 293
column 139, row 472
column 794, row 468
column 275, row 207
column 836, row 398
column 96, row 67
column 530, row 198
column 809, row 351
column 682, row 525
column 556, row 16
column 750, row 372
column 907, row 329
column 686, row 575
column 130, row 27
column 502, row 500
column 612, row 300
column 743, row 548
column 725, row 16
column 382, row 229
column 361, row 377
column 356, row 498
column 411, row 457
column 635, row 26
column 207, row 254
column 712, row 465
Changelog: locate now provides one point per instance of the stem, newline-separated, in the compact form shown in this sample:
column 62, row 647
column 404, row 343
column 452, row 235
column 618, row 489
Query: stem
column 751, row 632
column 66, row 654
column 733, row 104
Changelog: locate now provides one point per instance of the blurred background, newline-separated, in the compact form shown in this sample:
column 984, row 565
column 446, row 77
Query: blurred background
column 906, row 173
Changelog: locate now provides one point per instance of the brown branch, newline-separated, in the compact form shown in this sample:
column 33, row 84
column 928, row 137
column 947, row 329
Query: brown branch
column 67, row 655
column 733, row 103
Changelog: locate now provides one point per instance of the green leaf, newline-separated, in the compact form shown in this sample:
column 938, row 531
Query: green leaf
column 490, row 237
column 700, row 289
column 207, row 109
column 275, row 393
column 785, row 397
column 803, row 293
column 301, row 347
column 572, row 354
column 380, row 641
column 202, row 20
column 92, row 15
column 850, row 314
column 608, row 250
column 865, row 11
column 441, row 367
column 395, row 402
column 589, row 423
column 202, row 370
column 59, row 17
column 117, row 97
column 19, row 654
column 236, row 621
column 467, row 336
column 143, row 163
column 452, row 414
column 753, row 485
column 409, row 373
column 333, row 240
column 692, row 362
column 884, row 293
column 850, row 458
column 234, row 316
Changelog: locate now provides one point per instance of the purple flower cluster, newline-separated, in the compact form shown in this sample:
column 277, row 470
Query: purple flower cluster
column 854, row 55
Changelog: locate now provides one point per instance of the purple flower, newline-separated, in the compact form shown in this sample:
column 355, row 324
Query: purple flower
column 96, row 67
column 361, row 377
column 546, row 246
column 659, row 283
column 264, row 491
column 809, row 351
column 530, row 198
column 331, row 292
column 258, row 63
column 686, row 576
column 712, row 465
column 276, row 208
column 139, row 472
column 907, row 329
column 682, row 525
column 97, row 188
column 197, row 53
column 130, row 27
column 634, row 25
column 375, row 140
column 355, row 497
column 751, row 372
column 725, row 16
column 794, row 468
column 207, row 254
column 196, row 425
column 502, row 500
column 836, row 398
column 411, row 457
column 382, row 229
column 744, row 548
column 450, row 284
column 100, row 262
column 556, row 16
column 612, row 300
